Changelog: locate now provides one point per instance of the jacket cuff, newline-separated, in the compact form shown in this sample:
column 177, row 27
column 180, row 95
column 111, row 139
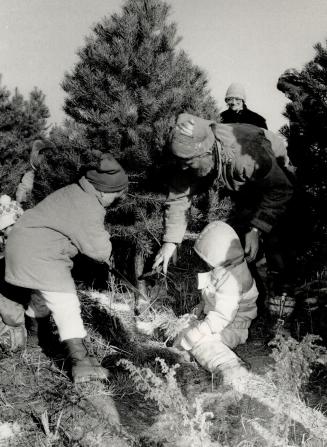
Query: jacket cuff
column 263, row 226
column 172, row 239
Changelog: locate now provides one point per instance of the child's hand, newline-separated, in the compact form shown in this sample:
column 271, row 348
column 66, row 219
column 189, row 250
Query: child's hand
column 185, row 322
column 189, row 337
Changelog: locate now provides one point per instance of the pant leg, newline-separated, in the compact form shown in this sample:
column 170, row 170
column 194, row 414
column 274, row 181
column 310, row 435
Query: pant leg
column 232, row 337
column 37, row 307
column 66, row 312
column 214, row 351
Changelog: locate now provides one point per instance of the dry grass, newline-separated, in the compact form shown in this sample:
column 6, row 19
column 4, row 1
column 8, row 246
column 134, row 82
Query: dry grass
column 39, row 406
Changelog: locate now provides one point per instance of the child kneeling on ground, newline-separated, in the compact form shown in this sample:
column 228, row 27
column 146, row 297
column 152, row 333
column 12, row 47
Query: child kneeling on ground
column 42, row 244
column 228, row 303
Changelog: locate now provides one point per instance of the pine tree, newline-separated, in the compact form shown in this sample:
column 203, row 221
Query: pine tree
column 21, row 122
column 307, row 137
column 128, row 86
column 130, row 81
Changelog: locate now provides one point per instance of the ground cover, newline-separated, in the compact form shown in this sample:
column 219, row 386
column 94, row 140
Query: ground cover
column 151, row 401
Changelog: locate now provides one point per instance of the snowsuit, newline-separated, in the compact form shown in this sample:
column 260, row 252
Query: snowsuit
column 41, row 246
column 229, row 296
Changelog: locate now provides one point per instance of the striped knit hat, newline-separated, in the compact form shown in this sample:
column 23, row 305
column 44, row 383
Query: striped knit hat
column 201, row 141
column 10, row 211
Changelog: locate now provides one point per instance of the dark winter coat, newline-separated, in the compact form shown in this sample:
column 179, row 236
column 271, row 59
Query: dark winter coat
column 243, row 116
column 41, row 246
column 247, row 165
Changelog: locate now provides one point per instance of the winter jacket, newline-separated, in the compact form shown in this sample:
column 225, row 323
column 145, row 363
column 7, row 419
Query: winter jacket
column 41, row 246
column 247, row 165
column 243, row 116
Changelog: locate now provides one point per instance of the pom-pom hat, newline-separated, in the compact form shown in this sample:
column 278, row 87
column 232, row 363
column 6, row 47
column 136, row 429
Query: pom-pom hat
column 201, row 141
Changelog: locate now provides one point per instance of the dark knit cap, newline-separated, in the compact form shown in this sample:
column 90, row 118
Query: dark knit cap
column 109, row 176
column 199, row 143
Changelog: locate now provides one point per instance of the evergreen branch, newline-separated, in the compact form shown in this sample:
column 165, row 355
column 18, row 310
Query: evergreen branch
column 147, row 228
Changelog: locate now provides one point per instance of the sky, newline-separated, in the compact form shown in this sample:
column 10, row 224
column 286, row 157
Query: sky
column 247, row 41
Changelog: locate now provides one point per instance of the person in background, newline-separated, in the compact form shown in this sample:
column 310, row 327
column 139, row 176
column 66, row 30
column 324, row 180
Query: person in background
column 237, row 111
column 221, row 321
column 41, row 246
column 38, row 152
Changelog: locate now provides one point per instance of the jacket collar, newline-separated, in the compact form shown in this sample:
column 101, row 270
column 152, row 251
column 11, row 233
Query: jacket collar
column 88, row 188
column 211, row 277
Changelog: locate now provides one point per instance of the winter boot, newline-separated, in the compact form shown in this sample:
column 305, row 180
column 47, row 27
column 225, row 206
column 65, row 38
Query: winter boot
column 234, row 371
column 12, row 338
column 281, row 309
column 84, row 367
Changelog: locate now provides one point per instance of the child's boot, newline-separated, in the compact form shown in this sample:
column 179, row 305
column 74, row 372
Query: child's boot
column 12, row 338
column 234, row 371
column 84, row 367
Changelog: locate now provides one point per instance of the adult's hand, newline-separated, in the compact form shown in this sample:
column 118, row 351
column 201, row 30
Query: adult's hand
column 163, row 256
column 252, row 239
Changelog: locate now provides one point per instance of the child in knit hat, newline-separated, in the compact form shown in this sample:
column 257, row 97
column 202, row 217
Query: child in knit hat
column 41, row 247
column 228, row 302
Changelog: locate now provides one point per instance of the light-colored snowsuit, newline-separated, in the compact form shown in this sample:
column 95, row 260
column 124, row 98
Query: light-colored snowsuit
column 229, row 296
